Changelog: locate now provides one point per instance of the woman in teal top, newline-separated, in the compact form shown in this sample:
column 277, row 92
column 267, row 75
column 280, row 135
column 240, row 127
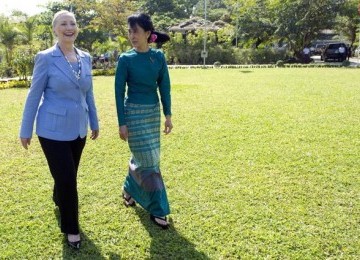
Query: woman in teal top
column 142, row 73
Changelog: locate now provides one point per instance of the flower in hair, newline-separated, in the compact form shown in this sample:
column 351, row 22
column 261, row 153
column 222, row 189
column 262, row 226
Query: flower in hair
column 153, row 37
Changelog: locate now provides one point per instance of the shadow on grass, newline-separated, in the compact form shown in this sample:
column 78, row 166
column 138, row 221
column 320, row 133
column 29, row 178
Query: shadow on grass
column 88, row 249
column 167, row 244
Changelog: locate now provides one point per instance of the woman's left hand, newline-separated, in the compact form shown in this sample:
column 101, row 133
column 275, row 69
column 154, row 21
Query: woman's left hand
column 94, row 134
column 168, row 125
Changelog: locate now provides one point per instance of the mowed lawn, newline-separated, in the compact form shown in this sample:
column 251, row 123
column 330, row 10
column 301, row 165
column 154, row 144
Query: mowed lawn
column 261, row 164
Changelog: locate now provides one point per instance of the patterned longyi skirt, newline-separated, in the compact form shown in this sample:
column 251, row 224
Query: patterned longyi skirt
column 144, row 181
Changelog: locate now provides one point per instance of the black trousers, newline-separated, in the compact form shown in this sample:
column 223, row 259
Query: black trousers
column 63, row 158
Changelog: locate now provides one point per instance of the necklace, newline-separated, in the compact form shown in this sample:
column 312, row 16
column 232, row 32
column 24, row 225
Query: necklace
column 76, row 74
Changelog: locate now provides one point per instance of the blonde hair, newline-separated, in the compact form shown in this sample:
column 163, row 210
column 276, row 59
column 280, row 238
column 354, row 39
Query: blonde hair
column 62, row 12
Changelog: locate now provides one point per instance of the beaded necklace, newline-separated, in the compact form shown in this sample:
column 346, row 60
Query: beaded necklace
column 77, row 74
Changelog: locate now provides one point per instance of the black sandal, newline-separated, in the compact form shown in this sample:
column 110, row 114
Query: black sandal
column 127, row 201
column 154, row 218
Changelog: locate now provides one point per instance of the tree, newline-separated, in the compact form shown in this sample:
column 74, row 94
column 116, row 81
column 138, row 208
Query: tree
column 166, row 13
column 255, row 19
column 44, row 31
column 8, row 37
column 23, row 62
column 28, row 28
column 216, row 9
column 157, row 6
column 185, row 7
column 300, row 21
column 348, row 20
column 110, row 18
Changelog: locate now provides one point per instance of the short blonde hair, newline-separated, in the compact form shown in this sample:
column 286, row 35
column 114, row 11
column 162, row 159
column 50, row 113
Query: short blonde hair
column 61, row 13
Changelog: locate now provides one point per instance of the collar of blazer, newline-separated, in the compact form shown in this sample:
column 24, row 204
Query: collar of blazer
column 63, row 65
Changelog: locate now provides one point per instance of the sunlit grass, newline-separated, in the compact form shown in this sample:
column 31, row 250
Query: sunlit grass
column 262, row 163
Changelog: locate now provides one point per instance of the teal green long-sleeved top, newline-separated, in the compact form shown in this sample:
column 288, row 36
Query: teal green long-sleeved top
column 144, row 73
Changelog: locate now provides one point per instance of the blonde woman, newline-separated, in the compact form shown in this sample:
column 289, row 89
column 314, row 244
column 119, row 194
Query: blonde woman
column 62, row 102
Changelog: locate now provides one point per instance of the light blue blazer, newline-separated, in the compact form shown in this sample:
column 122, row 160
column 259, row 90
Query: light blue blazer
column 62, row 105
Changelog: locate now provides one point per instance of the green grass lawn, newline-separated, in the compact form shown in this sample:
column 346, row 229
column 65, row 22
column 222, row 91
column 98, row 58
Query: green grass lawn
column 261, row 164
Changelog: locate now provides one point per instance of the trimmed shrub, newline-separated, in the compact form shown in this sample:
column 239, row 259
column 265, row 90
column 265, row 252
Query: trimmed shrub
column 217, row 64
column 345, row 63
column 280, row 64
column 259, row 56
column 15, row 84
column 103, row 72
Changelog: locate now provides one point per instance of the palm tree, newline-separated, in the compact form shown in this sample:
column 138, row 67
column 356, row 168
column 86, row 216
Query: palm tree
column 8, row 37
column 28, row 29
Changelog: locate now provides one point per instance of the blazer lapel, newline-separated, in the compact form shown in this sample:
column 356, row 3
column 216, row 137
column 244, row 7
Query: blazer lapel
column 63, row 65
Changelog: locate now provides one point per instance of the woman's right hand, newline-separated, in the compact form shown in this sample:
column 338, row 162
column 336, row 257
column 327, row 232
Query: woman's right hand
column 25, row 142
column 123, row 132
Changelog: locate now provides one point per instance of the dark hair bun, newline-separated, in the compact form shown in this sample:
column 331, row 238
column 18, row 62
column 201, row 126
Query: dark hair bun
column 161, row 37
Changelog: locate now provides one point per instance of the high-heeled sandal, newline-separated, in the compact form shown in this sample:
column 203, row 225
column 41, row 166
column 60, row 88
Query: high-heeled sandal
column 128, row 200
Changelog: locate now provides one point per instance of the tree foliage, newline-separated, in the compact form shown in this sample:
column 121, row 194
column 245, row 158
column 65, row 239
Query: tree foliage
column 300, row 21
column 297, row 22
column 254, row 24
column 110, row 16
column 348, row 20
column 9, row 36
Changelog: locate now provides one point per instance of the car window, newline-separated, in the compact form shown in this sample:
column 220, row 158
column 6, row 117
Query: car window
column 336, row 46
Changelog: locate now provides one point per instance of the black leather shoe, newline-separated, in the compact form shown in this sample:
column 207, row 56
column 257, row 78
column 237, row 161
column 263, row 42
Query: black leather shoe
column 75, row 244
